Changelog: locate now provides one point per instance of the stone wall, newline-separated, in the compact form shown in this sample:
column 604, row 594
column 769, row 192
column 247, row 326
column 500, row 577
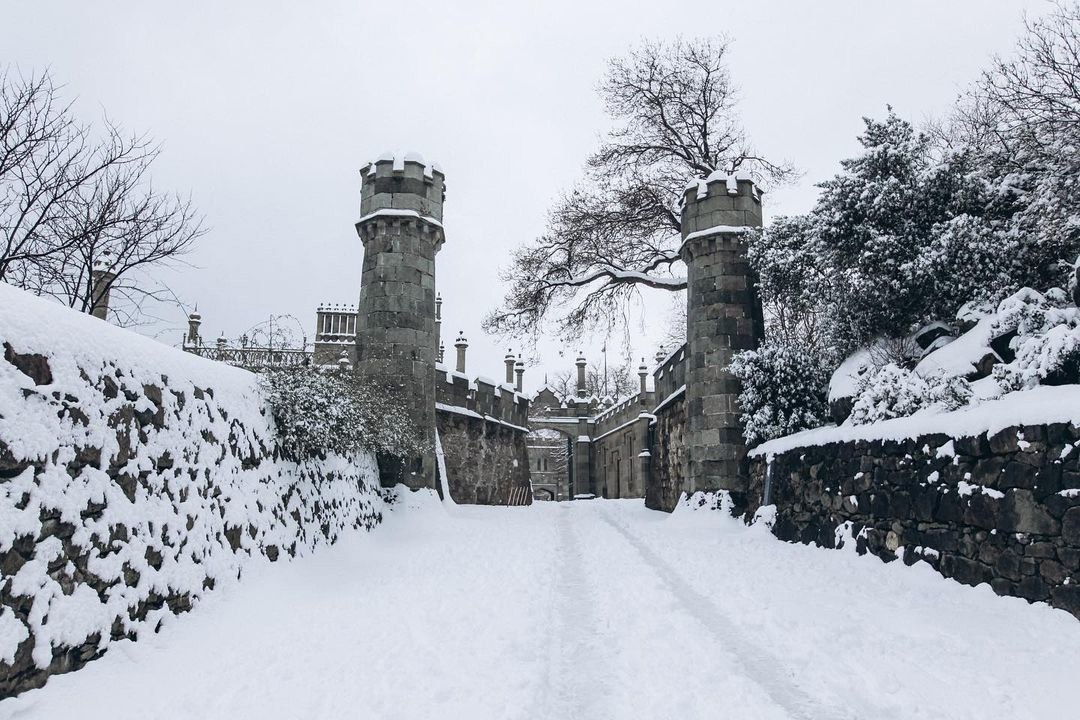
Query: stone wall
column 483, row 437
column 135, row 478
column 486, row 460
column 668, row 447
column 1002, row 509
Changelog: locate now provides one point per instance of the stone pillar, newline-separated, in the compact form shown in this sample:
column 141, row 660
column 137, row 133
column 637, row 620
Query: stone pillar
column 582, row 449
column 461, row 345
column 101, row 278
column 509, row 362
column 438, row 327
column 401, row 203
column 519, row 371
column 723, row 316
column 580, row 375
column 193, row 322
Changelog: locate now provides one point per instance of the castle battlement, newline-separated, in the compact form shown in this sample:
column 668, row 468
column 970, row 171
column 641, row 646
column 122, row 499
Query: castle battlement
column 720, row 203
column 402, row 182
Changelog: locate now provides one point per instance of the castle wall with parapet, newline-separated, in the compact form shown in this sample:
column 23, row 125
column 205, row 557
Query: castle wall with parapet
column 482, row 429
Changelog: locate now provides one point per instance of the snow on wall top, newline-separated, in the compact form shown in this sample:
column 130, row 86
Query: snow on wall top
column 1038, row 406
column 730, row 180
column 399, row 159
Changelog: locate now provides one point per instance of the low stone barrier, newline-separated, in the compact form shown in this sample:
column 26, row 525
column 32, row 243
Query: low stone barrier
column 1000, row 508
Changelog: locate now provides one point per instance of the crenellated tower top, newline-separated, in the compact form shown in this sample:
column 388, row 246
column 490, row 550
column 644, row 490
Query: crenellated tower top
column 721, row 203
column 402, row 185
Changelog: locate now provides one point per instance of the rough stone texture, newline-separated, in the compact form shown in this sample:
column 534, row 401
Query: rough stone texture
column 395, row 327
column 1014, row 525
column 724, row 316
column 487, row 462
column 164, row 493
column 668, row 476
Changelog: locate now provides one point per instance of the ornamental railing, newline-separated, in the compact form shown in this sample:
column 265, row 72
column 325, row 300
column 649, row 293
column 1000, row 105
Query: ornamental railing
column 254, row 358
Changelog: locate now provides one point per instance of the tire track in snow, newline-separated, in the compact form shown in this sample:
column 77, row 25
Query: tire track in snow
column 759, row 665
column 572, row 655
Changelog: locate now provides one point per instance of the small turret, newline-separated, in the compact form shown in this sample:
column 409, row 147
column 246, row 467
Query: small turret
column 643, row 373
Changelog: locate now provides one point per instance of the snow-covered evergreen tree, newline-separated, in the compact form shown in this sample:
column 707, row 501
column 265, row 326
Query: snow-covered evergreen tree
column 784, row 390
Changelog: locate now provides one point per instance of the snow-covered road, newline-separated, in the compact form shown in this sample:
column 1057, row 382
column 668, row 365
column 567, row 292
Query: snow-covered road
column 592, row 610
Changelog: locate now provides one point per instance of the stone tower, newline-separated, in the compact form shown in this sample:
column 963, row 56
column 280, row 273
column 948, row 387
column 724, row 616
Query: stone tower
column 723, row 316
column 401, row 203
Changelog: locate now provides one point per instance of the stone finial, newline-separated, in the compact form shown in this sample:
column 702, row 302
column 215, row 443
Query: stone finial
column 509, row 361
column 222, row 341
column 461, row 344
column 519, row 370
column 643, row 374
column 661, row 354
column 441, row 357
column 438, row 306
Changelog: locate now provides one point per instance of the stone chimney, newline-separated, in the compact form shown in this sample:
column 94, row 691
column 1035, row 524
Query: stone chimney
column 519, row 370
column 461, row 345
column 580, row 362
column 643, row 373
column 509, row 361
column 101, row 279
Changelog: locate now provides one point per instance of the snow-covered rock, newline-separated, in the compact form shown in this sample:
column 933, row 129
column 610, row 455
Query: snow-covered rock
column 133, row 479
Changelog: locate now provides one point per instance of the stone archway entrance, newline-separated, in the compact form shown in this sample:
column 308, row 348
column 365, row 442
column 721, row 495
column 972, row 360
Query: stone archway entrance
column 550, row 460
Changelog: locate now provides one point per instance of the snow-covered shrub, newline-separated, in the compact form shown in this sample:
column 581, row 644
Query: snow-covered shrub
column 321, row 411
column 1046, row 341
column 784, row 390
column 890, row 392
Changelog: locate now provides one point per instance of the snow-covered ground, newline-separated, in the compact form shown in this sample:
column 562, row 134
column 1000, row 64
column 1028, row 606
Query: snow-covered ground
column 597, row 609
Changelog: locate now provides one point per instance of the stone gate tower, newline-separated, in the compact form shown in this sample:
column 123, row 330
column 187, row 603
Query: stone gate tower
column 401, row 202
column 723, row 316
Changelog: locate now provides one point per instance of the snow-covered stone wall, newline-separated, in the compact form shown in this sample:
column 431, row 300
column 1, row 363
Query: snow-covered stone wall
column 980, row 501
column 135, row 478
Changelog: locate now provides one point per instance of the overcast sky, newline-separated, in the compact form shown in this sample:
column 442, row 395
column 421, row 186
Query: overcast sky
column 268, row 109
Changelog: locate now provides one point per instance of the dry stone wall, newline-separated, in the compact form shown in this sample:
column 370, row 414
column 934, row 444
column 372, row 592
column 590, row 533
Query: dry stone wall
column 134, row 479
column 1002, row 509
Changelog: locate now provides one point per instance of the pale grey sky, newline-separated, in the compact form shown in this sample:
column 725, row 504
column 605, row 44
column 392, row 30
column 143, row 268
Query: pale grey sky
column 268, row 109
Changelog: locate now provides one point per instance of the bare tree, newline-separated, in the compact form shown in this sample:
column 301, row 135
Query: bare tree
column 673, row 107
column 70, row 203
column 612, row 383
